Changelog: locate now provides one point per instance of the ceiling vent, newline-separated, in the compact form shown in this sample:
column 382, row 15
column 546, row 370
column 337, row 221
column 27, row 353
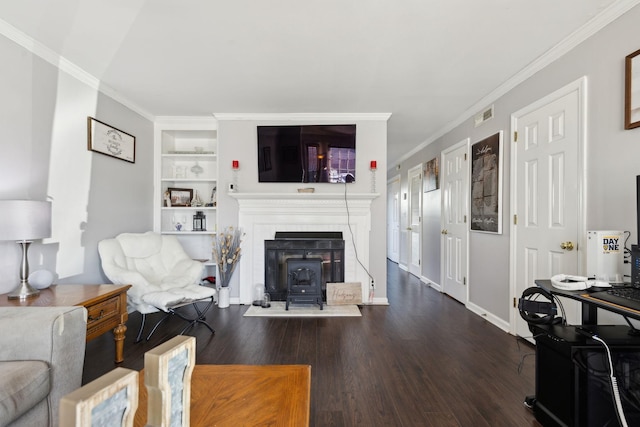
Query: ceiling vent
column 484, row 116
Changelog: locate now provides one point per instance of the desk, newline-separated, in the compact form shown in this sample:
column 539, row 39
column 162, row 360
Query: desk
column 251, row 395
column 106, row 307
column 569, row 394
column 590, row 305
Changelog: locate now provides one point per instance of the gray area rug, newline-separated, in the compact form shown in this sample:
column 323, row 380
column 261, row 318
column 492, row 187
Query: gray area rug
column 303, row 310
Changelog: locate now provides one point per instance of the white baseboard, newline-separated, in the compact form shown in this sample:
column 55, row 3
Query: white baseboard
column 379, row 301
column 473, row 307
column 431, row 283
column 376, row 301
column 496, row 321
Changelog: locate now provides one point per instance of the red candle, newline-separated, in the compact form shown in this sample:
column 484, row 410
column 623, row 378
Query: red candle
column 374, row 165
column 235, row 164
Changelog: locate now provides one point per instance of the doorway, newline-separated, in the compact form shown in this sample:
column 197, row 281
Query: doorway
column 454, row 230
column 393, row 219
column 414, row 228
column 547, row 193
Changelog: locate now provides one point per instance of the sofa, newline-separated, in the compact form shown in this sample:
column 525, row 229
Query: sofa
column 41, row 360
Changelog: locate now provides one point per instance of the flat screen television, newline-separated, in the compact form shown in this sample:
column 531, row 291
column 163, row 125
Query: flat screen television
column 307, row 153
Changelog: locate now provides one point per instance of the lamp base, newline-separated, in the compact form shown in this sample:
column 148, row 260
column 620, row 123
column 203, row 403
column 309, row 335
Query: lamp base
column 23, row 292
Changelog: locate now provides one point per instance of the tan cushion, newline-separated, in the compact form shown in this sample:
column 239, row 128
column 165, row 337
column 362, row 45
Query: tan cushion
column 23, row 385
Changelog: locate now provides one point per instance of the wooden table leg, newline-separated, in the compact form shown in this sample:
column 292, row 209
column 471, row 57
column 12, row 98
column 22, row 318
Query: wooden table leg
column 118, row 336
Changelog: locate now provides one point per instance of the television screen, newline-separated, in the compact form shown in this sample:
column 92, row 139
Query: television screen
column 307, row 153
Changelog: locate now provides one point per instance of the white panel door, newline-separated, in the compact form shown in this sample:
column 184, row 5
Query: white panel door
column 455, row 209
column 546, row 190
column 393, row 219
column 415, row 220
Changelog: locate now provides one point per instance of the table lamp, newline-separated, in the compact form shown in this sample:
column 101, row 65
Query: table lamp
column 24, row 221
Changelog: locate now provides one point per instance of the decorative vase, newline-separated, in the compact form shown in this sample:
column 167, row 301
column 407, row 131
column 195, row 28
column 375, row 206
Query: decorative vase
column 223, row 297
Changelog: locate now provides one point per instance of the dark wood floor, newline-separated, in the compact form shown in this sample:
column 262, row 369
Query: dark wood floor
column 424, row 360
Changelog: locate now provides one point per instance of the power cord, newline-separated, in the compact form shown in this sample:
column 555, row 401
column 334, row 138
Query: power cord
column 614, row 382
column 627, row 251
column 355, row 249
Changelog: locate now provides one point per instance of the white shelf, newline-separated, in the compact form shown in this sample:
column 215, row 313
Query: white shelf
column 187, row 233
column 302, row 196
column 188, row 180
column 193, row 208
column 190, row 156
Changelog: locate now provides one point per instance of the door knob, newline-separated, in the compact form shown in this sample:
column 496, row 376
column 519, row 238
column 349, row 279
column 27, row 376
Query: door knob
column 409, row 228
column 567, row 246
column 444, row 232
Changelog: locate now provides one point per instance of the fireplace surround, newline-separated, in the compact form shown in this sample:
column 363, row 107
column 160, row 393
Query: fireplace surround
column 261, row 215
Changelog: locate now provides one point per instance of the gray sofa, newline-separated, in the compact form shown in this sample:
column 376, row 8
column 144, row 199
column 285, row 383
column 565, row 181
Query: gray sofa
column 41, row 360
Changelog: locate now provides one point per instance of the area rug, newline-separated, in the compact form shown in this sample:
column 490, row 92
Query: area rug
column 303, row 310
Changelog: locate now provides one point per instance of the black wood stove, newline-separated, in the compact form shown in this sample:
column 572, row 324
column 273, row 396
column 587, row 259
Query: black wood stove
column 323, row 251
column 304, row 281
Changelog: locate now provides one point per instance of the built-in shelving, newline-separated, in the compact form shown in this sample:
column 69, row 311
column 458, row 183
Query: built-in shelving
column 187, row 163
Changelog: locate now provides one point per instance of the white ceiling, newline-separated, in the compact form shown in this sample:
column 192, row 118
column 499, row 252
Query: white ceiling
column 427, row 62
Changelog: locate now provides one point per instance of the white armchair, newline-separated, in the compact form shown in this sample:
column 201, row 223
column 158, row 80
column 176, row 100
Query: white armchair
column 161, row 274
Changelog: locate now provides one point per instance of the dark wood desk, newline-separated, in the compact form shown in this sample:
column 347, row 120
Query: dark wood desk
column 565, row 390
column 244, row 395
column 590, row 305
column 106, row 307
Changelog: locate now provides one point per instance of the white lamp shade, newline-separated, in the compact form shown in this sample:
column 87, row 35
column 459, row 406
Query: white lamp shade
column 24, row 219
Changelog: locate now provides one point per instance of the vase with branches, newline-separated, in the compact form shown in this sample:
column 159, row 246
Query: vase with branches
column 226, row 253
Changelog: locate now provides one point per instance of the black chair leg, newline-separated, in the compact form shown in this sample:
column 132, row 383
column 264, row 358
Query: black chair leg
column 200, row 318
column 166, row 316
column 139, row 337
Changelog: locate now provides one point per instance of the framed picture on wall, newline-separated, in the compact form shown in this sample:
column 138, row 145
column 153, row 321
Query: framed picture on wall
column 431, row 178
column 486, row 185
column 105, row 139
column 632, row 91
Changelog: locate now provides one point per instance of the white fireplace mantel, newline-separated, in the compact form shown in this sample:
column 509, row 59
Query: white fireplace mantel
column 260, row 215
column 303, row 196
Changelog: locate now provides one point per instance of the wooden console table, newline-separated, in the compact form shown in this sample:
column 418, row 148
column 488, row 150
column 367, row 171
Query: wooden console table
column 249, row 395
column 106, row 307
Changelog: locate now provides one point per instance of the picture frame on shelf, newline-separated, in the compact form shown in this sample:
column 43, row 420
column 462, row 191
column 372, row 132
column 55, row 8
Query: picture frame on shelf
column 180, row 197
column 105, row 139
column 632, row 90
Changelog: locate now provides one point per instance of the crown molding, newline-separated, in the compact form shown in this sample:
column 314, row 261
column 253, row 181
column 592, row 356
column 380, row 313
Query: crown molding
column 597, row 23
column 68, row 67
column 186, row 122
column 302, row 116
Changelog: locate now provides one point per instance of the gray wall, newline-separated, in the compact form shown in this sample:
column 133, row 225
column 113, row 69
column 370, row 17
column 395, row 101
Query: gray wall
column 43, row 118
column 612, row 158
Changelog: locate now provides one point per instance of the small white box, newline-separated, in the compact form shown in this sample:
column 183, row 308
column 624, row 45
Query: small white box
column 605, row 255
